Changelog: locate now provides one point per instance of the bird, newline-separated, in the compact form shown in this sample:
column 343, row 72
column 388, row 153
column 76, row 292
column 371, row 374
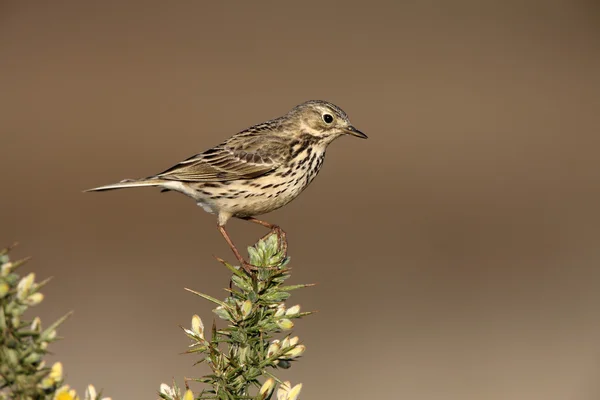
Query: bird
column 257, row 170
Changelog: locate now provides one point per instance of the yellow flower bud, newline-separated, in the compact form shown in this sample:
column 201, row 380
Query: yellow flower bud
column 197, row 326
column 267, row 388
column 293, row 310
column 47, row 383
column 246, row 308
column 167, row 390
column 188, row 395
column 280, row 310
column 4, row 288
column 294, row 341
column 36, row 324
column 34, row 299
column 285, row 324
column 283, row 390
column 64, row 396
column 273, row 348
column 49, row 336
column 6, row 269
column 90, row 393
column 294, row 392
column 56, row 372
column 65, row 393
column 296, row 351
column 24, row 286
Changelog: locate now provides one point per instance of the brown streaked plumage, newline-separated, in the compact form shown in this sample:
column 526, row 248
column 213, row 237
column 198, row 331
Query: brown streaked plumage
column 257, row 170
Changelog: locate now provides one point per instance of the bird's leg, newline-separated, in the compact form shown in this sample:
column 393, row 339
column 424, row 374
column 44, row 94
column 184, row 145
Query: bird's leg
column 244, row 264
column 281, row 235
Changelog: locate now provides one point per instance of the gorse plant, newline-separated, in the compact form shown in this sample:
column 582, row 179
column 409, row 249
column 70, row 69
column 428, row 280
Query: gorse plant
column 243, row 355
column 23, row 343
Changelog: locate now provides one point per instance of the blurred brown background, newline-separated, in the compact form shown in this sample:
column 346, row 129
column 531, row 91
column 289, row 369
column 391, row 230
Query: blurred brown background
column 456, row 250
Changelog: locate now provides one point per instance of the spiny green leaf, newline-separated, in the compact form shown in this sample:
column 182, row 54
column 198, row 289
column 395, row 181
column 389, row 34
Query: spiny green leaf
column 199, row 349
column 294, row 287
column 223, row 313
column 233, row 269
column 274, row 296
column 18, row 263
column 254, row 256
column 40, row 285
column 57, row 323
column 207, row 297
column 242, row 283
column 235, row 294
column 302, row 314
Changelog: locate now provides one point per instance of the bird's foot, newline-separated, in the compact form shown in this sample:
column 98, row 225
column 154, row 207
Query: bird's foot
column 245, row 265
column 249, row 268
column 281, row 238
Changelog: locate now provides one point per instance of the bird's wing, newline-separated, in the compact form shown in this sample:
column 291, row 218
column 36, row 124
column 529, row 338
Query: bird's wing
column 244, row 156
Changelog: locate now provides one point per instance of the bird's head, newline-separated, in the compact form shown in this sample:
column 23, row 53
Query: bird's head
column 323, row 120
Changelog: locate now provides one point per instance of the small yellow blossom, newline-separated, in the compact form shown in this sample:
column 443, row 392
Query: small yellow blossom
column 283, row 390
column 90, row 393
column 167, row 390
column 197, row 326
column 296, row 351
column 36, row 324
column 188, row 395
column 24, row 286
column 267, row 388
column 273, row 348
column 294, row 392
column 49, row 336
column 293, row 310
column 246, row 308
column 4, row 288
column 287, row 392
column 65, row 393
column 56, row 372
column 34, row 299
column 280, row 310
column 285, row 324
column 6, row 268
column 47, row 383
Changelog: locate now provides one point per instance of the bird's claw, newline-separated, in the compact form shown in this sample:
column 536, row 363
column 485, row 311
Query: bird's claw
column 249, row 268
column 281, row 236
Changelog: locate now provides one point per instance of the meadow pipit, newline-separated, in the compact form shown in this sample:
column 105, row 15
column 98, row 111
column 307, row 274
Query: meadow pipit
column 257, row 170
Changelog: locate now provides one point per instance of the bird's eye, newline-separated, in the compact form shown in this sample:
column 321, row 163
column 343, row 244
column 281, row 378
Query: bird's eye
column 327, row 118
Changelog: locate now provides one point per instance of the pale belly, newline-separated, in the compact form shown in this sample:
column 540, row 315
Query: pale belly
column 245, row 198
column 240, row 199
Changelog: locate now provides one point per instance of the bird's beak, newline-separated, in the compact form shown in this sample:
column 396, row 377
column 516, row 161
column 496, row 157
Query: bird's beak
column 350, row 130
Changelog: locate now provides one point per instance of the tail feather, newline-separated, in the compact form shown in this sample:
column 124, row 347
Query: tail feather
column 128, row 183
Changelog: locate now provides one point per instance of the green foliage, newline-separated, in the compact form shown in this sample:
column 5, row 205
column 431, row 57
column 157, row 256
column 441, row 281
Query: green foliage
column 244, row 352
column 243, row 355
column 23, row 343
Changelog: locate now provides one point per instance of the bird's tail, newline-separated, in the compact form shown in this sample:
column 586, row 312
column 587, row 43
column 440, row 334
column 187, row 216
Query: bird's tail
column 128, row 183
